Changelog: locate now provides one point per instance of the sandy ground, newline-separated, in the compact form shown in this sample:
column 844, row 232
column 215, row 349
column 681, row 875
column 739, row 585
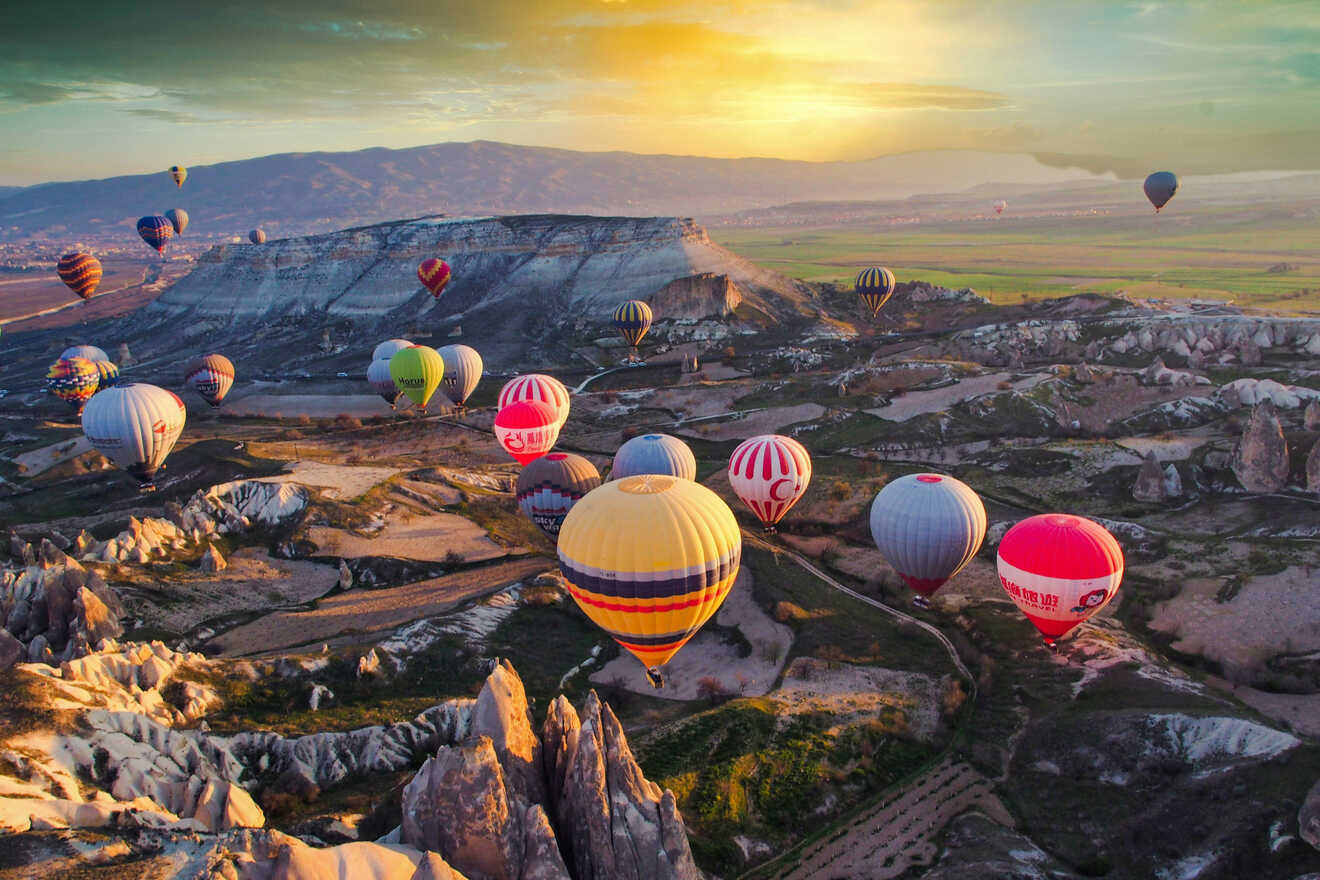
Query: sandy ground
column 899, row 833
column 1172, row 449
column 335, row 480
column 1270, row 614
column 1302, row 711
column 916, row 403
column 708, row 655
column 371, row 611
column 692, row 402
column 424, row 538
column 37, row 461
column 317, row 406
column 767, row 421
column 252, row 581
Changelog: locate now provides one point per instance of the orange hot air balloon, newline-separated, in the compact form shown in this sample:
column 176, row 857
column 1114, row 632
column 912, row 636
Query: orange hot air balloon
column 434, row 275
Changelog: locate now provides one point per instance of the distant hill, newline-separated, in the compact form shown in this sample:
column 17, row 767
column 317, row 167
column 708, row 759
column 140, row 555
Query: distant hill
column 301, row 193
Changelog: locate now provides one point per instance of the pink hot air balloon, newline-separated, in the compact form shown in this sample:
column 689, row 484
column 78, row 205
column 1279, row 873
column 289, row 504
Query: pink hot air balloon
column 527, row 429
column 770, row 473
column 1059, row 569
column 537, row 386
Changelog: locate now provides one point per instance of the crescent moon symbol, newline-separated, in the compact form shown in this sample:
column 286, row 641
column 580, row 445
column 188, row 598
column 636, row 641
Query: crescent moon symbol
column 774, row 489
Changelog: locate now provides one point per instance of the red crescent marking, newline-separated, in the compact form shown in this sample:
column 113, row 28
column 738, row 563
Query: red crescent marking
column 774, row 489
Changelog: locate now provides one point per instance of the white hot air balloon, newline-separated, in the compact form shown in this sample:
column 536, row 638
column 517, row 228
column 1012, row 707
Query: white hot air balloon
column 770, row 473
column 387, row 349
column 928, row 526
column 537, row 386
column 135, row 426
column 381, row 382
column 462, row 372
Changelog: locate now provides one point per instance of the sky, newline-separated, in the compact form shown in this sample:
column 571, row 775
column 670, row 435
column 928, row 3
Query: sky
column 101, row 88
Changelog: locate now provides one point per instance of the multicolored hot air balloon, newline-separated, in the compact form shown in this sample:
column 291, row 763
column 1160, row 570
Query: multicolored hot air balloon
column 417, row 372
column 650, row 559
column 875, row 286
column 73, row 380
column 135, row 426
column 381, row 382
column 632, row 320
column 434, row 275
column 462, row 372
column 928, row 526
column 178, row 219
column 770, row 473
column 107, row 374
column 91, row 352
column 537, row 386
column 155, row 231
column 1000, row 206
column 179, row 173
column 257, row 236
column 81, row 272
column 211, row 376
column 1160, row 187
column 549, row 487
column 1059, row 570
column 388, row 348
column 527, row 429
column 654, row 454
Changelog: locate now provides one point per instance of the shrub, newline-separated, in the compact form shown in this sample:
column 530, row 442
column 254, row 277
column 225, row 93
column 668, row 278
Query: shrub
column 711, row 688
column 345, row 421
column 1005, row 386
column 304, row 419
column 786, row 611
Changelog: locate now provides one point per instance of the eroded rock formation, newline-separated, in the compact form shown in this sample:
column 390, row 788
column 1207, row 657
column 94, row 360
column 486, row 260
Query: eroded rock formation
column 1260, row 460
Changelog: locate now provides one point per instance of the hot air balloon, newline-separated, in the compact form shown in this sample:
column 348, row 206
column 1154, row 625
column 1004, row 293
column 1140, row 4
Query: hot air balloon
column 875, row 286
column 632, row 320
column 417, row 372
column 1160, row 187
column 654, row 454
column 387, row 349
column 462, row 372
column 549, row 487
column 770, row 473
column 1000, row 206
column 650, row 559
column 527, row 429
column 211, row 376
column 81, row 272
column 381, row 382
column 107, row 375
column 179, row 173
column 434, row 275
column 155, row 231
column 257, row 236
column 928, row 526
column 91, row 352
column 73, row 380
column 1059, row 569
column 178, row 219
column 537, row 386
column 135, row 426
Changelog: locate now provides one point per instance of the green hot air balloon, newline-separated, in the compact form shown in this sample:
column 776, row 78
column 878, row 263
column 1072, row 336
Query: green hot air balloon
column 417, row 372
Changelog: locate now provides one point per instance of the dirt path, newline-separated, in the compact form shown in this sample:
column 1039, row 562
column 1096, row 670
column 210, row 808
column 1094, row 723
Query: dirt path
column 380, row 612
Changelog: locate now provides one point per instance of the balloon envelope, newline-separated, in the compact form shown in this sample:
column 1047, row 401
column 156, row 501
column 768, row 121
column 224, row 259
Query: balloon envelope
column 211, row 376
column 650, row 559
column 1000, row 206
column 107, row 375
column 1160, row 187
column 378, row 376
column 417, row 372
column 527, row 429
column 874, row 287
column 462, row 372
column 770, row 473
column 549, row 487
column 73, row 380
column 135, row 426
column 178, row 219
column 179, row 173
column 654, row 454
column 91, row 352
column 257, row 236
column 537, row 386
column 434, row 275
column 1059, row 570
column 81, row 272
column 632, row 320
column 388, row 348
column 927, row 526
column 155, row 231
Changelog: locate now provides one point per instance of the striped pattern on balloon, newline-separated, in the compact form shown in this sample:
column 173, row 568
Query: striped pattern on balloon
column 549, row 487
column 155, row 230
column 434, row 275
column 73, row 380
column 770, row 473
column 211, row 376
column 537, row 386
column 81, row 272
column 875, row 286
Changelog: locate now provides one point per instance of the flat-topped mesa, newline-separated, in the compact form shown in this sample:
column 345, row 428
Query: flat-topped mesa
column 557, row 265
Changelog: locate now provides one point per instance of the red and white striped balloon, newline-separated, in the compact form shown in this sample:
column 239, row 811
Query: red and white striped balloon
column 770, row 473
column 1059, row 570
column 537, row 386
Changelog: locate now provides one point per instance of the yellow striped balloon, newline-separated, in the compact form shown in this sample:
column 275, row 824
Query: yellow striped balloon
column 650, row 559
column 875, row 286
column 632, row 320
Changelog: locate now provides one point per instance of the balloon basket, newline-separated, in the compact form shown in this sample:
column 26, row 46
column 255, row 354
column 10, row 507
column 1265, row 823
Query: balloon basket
column 655, row 678
column 921, row 602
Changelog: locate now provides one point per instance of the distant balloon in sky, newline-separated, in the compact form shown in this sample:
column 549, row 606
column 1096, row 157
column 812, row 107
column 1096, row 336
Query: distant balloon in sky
column 1160, row 187
column 770, row 473
column 81, row 272
column 135, row 426
column 527, row 429
column 1059, row 570
column 537, row 386
column 155, row 231
column 178, row 219
column 257, row 236
column 211, row 376
column 874, row 287
column 927, row 526
column 654, row 454
column 434, row 275
column 1000, row 206
column 179, row 173
column 549, row 487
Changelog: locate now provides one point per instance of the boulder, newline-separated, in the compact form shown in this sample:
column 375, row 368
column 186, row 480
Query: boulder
column 1172, row 481
column 93, row 619
column 1249, row 353
column 431, row 867
column 224, row 805
column 1308, row 817
column 1313, row 468
column 502, row 713
column 1150, row 485
column 212, row 561
column 345, row 576
column 1311, row 416
column 703, row 295
column 12, row 650
column 1260, row 460
column 1083, row 374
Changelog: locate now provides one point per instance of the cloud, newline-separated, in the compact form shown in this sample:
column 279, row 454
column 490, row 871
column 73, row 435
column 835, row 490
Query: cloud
column 164, row 115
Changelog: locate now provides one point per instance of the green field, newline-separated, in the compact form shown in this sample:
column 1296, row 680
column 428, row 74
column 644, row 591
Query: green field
column 1213, row 256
